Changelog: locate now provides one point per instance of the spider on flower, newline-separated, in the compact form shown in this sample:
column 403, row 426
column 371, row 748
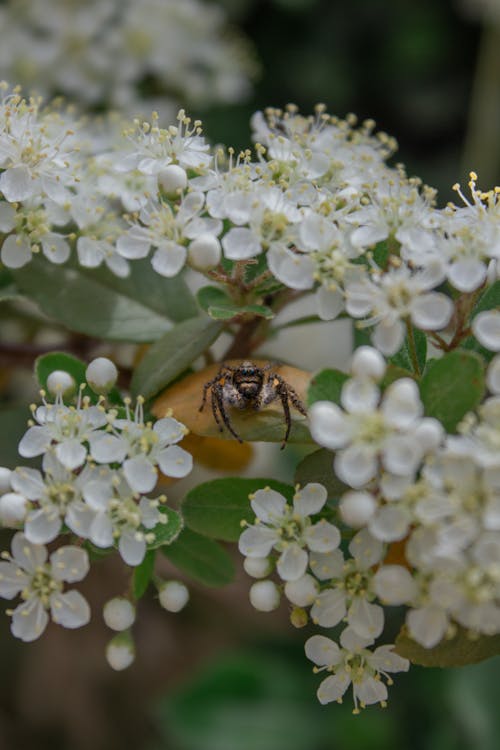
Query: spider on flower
column 248, row 385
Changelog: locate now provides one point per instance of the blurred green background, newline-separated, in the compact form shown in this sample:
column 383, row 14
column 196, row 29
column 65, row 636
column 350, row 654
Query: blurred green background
column 220, row 676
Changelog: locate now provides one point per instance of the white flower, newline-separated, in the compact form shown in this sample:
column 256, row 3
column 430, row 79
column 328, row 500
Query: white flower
column 391, row 297
column 353, row 664
column 55, row 498
column 141, row 448
column 350, row 590
column 169, row 232
column 40, row 583
column 118, row 516
column 288, row 529
column 69, row 427
column 367, row 432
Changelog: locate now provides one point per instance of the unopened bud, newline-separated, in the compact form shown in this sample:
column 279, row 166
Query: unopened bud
column 204, row 252
column 356, row 508
column 173, row 596
column 61, row 382
column 264, row 596
column 257, row 567
column 120, row 652
column 13, row 509
column 173, row 179
column 101, row 375
column 119, row 613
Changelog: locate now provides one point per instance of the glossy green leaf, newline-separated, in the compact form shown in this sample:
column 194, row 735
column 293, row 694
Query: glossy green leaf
column 201, row 558
column 166, row 533
column 326, row 386
column 452, row 386
column 404, row 358
column 455, row 652
column 143, row 574
column 489, row 300
column 212, row 295
column 229, row 312
column 173, row 354
column 318, row 467
column 91, row 303
column 217, row 508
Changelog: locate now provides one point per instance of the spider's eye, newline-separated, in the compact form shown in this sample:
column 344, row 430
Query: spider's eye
column 247, row 370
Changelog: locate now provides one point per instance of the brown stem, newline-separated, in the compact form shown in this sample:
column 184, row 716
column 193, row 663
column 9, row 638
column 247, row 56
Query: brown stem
column 245, row 341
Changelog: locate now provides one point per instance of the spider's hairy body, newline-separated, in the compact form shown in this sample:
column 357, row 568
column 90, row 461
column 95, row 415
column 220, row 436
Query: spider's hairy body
column 248, row 385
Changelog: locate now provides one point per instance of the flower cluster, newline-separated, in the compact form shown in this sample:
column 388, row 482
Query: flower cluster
column 98, row 463
column 316, row 205
column 102, row 53
column 424, row 510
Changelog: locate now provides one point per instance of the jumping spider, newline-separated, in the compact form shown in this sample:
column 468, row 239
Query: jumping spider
column 247, row 385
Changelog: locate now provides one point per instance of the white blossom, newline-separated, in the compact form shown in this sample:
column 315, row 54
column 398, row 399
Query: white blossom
column 288, row 529
column 39, row 579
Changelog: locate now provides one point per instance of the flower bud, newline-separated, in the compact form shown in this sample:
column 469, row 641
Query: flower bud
column 257, row 567
column 204, row 252
column 264, row 596
column 101, row 375
column 119, row 613
column 173, row 596
column 13, row 509
column 493, row 375
column 61, row 382
column 173, row 179
column 356, row 508
column 120, row 652
column 303, row 591
column 367, row 362
column 5, row 475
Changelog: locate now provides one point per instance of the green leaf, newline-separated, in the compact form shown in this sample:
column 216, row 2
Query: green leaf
column 227, row 313
column 219, row 305
column 143, row 574
column 173, row 354
column 326, row 386
column 452, row 386
column 13, row 425
column 318, row 467
column 217, row 508
column 490, row 300
column 166, row 533
column 94, row 303
column 456, row 652
column 403, row 358
column 201, row 558
column 212, row 295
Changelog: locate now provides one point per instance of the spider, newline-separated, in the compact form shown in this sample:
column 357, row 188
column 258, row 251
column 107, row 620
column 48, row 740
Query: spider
column 247, row 385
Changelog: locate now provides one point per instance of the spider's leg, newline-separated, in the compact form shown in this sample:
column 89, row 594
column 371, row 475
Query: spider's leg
column 216, row 406
column 283, row 394
column 225, row 418
column 206, row 387
column 295, row 399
